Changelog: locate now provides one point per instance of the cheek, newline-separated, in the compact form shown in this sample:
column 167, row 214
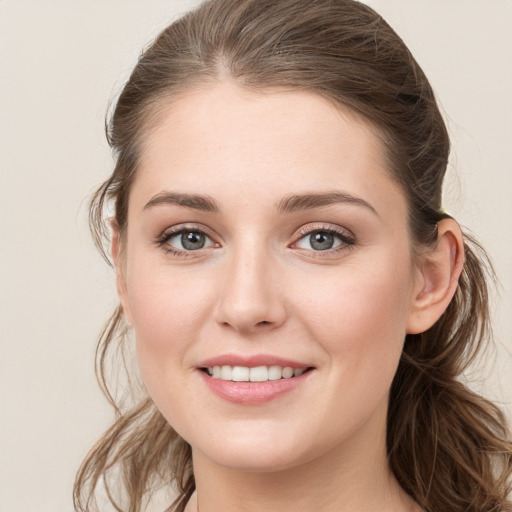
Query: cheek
column 361, row 322
column 168, row 313
column 169, row 309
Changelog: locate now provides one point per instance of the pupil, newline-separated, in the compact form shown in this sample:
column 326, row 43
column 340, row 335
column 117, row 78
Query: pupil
column 322, row 241
column 192, row 240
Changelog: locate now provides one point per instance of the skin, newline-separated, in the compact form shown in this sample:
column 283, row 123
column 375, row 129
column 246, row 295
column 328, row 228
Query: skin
column 259, row 287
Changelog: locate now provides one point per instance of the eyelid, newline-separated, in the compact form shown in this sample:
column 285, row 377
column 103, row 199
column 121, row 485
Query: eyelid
column 170, row 232
column 323, row 226
column 346, row 237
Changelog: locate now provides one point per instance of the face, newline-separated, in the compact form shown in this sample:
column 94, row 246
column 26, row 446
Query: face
column 267, row 244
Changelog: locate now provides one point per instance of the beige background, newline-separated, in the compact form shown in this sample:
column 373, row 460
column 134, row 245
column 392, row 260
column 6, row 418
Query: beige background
column 60, row 63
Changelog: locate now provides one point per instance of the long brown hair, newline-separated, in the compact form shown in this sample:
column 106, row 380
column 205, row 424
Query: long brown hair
column 447, row 446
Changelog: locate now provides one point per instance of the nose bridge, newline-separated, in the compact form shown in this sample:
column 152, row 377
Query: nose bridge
column 250, row 297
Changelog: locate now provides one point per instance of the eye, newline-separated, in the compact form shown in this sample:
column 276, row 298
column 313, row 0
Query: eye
column 319, row 241
column 324, row 239
column 186, row 240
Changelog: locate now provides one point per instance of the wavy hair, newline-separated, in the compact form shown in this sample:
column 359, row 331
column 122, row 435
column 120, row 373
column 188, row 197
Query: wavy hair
column 448, row 447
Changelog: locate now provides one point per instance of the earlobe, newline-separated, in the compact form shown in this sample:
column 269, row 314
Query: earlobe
column 120, row 266
column 437, row 277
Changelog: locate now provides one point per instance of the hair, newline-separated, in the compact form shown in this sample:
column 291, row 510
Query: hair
column 448, row 447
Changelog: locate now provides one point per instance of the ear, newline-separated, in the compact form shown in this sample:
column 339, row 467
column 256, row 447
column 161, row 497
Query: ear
column 437, row 277
column 119, row 260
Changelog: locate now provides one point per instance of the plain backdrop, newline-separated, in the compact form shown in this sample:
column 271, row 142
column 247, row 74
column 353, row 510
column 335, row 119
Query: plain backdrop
column 60, row 64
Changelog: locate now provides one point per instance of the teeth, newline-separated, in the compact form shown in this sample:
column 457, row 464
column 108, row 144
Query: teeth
column 240, row 374
column 255, row 374
column 226, row 373
column 258, row 374
column 287, row 372
column 275, row 373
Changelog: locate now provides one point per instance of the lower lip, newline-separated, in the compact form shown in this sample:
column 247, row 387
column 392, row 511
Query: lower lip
column 252, row 393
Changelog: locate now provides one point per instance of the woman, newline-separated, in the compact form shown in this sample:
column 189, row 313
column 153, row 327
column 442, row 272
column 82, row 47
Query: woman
column 302, row 306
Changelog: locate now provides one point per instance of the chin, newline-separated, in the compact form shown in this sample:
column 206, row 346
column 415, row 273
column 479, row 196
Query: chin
column 262, row 452
column 251, row 450
column 252, row 461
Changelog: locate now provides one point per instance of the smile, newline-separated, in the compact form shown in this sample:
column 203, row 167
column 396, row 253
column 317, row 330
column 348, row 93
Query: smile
column 253, row 380
column 253, row 374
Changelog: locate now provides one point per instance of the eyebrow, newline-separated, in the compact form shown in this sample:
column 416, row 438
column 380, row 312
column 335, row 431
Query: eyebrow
column 288, row 204
column 194, row 201
column 299, row 202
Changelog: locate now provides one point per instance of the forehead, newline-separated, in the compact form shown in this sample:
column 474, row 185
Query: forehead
column 221, row 137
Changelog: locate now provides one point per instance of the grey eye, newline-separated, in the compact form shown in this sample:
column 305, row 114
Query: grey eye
column 319, row 241
column 190, row 241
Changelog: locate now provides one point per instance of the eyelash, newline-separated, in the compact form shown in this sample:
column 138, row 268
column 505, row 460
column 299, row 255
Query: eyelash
column 163, row 239
column 347, row 241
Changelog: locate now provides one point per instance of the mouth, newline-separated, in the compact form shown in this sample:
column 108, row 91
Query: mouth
column 253, row 373
column 253, row 380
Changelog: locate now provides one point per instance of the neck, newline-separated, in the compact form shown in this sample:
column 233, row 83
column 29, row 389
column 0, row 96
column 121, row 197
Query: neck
column 341, row 480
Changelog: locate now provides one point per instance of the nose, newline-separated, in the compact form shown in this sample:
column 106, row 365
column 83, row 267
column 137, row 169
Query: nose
column 250, row 299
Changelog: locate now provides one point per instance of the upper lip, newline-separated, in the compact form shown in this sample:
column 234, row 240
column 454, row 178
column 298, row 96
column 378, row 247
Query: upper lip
column 251, row 361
